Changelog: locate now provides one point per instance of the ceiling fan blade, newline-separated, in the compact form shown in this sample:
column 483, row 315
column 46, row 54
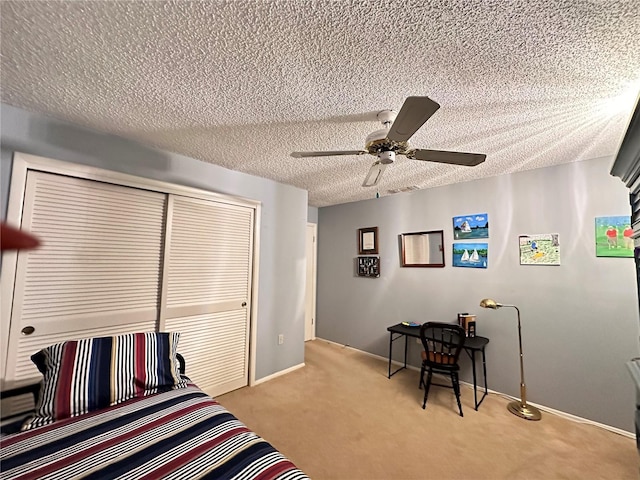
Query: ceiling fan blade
column 414, row 112
column 375, row 172
column 454, row 158
column 327, row 154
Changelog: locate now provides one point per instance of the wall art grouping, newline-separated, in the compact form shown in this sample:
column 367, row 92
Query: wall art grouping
column 614, row 236
column 473, row 255
column 471, row 226
column 540, row 249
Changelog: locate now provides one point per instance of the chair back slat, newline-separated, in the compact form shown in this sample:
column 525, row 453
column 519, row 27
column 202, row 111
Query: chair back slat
column 442, row 342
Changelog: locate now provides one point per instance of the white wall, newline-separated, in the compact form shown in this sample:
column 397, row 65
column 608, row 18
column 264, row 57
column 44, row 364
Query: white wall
column 580, row 319
column 283, row 222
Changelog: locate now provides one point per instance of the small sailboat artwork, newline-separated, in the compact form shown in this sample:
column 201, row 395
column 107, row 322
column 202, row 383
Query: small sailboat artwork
column 466, row 227
column 470, row 255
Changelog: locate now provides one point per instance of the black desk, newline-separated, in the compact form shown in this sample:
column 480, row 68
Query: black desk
column 471, row 346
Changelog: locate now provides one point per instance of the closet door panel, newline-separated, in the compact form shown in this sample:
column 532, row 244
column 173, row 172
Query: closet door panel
column 214, row 347
column 97, row 271
column 206, row 295
column 209, row 253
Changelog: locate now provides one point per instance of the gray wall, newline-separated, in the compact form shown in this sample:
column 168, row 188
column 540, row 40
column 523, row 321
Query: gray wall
column 312, row 214
column 283, row 222
column 580, row 319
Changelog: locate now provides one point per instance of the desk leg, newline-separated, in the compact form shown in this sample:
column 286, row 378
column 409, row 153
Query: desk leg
column 475, row 383
column 406, row 337
column 484, row 371
column 390, row 351
column 391, row 340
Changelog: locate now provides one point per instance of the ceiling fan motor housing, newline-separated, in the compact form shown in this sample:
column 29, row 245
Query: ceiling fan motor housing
column 377, row 142
column 387, row 117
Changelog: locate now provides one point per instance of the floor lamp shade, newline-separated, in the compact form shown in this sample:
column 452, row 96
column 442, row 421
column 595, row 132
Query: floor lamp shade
column 517, row 407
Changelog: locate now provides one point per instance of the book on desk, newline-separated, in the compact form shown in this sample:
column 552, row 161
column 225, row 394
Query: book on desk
column 468, row 322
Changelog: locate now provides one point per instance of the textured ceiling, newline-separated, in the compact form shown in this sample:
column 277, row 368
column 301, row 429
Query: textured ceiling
column 241, row 84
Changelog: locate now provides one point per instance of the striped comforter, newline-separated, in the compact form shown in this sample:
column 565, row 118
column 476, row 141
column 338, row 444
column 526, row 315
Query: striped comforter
column 178, row 434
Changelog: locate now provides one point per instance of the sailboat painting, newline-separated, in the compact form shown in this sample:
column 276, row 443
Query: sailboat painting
column 471, row 226
column 472, row 255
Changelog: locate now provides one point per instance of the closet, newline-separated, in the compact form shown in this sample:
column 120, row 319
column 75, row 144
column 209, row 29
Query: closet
column 124, row 254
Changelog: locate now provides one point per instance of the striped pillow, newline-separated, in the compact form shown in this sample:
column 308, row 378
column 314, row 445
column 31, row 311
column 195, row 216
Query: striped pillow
column 93, row 373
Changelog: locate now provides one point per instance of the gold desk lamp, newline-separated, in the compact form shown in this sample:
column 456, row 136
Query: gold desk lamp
column 517, row 407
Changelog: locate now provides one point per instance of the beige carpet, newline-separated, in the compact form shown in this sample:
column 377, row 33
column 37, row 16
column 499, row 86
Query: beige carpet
column 340, row 417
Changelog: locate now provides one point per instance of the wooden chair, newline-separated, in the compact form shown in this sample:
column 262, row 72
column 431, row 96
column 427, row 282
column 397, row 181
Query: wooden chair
column 442, row 344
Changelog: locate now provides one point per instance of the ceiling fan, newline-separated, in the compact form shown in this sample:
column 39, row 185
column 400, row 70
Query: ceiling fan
column 393, row 140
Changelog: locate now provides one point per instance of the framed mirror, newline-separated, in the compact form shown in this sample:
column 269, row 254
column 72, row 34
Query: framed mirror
column 422, row 249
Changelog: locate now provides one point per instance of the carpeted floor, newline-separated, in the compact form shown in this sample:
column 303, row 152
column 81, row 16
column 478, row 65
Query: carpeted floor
column 340, row 417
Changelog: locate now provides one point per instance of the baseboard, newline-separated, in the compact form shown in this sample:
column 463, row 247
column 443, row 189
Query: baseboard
column 278, row 374
column 553, row 411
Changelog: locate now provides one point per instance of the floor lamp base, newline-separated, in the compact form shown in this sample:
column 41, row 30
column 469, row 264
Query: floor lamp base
column 524, row 411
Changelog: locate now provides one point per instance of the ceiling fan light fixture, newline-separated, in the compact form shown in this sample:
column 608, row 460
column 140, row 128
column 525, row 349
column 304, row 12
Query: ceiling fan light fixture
column 387, row 157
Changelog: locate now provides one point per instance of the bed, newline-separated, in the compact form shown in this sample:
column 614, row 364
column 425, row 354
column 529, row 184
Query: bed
column 177, row 432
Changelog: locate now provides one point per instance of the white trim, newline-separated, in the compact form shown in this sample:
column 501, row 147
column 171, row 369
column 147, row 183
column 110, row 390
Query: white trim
column 253, row 319
column 278, row 374
column 553, row 411
column 314, row 295
column 575, row 418
column 168, row 230
column 386, row 359
column 10, row 258
column 25, row 161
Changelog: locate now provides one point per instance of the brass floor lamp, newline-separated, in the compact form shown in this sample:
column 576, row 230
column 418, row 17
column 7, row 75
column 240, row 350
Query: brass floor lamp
column 517, row 407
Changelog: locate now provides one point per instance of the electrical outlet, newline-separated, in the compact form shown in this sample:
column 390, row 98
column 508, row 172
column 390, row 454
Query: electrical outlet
column 418, row 341
column 280, row 339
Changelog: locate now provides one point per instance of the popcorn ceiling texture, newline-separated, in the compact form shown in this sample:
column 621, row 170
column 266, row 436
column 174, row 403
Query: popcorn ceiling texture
column 242, row 84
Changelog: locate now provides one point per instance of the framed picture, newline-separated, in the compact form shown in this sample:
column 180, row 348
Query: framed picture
column 471, row 226
column 367, row 240
column 540, row 249
column 368, row 266
column 473, row 255
column 613, row 236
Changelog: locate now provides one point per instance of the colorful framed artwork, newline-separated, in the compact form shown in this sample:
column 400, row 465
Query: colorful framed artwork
column 540, row 249
column 369, row 267
column 471, row 226
column 367, row 240
column 613, row 236
column 473, row 255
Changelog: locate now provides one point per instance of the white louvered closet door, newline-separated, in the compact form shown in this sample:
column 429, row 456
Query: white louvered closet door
column 97, row 272
column 206, row 294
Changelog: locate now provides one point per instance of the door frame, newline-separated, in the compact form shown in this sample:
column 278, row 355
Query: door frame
column 311, row 316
